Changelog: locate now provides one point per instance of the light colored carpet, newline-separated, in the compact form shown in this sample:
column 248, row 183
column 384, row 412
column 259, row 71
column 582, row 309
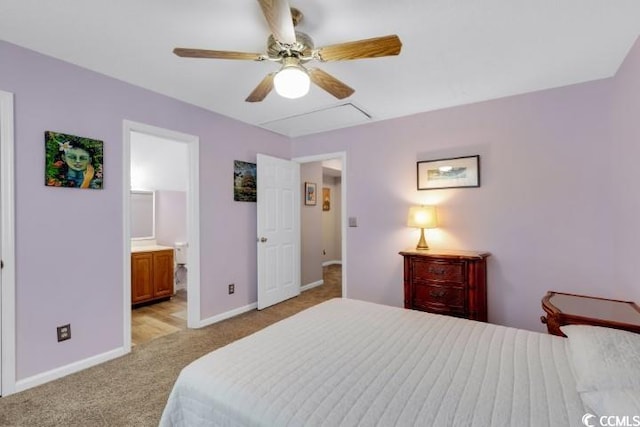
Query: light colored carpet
column 132, row 390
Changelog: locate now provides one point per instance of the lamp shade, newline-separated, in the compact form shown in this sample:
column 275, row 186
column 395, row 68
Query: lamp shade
column 291, row 82
column 422, row 217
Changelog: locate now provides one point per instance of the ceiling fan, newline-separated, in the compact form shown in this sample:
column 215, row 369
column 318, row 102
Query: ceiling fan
column 292, row 49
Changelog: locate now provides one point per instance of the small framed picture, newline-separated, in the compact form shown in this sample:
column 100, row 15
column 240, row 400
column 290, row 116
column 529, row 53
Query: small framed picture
column 456, row 172
column 310, row 194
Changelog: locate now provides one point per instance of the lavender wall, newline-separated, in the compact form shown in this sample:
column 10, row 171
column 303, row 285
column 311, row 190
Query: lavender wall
column 69, row 242
column 171, row 217
column 625, row 172
column 544, row 209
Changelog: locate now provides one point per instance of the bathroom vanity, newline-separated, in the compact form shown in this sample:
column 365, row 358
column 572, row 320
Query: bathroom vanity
column 151, row 273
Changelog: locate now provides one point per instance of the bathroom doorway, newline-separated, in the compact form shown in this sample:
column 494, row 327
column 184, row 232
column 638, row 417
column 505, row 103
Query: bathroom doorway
column 161, row 232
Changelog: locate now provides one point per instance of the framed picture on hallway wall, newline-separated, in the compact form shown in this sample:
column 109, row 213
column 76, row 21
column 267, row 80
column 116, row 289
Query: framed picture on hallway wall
column 326, row 199
column 310, row 194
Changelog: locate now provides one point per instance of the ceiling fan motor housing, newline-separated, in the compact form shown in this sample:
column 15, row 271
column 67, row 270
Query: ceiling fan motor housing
column 302, row 49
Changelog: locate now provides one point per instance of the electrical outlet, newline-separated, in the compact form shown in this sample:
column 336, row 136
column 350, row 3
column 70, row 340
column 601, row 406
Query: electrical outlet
column 232, row 288
column 64, row 332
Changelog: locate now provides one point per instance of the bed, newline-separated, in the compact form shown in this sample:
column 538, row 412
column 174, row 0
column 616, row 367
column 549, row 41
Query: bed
column 347, row 362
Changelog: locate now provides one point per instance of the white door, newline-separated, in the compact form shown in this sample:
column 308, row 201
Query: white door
column 278, row 230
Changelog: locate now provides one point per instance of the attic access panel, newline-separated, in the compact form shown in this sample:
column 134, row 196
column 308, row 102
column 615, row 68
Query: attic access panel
column 335, row 117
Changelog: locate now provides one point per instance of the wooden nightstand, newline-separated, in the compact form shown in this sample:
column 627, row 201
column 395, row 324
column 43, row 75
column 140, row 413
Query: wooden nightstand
column 569, row 309
column 446, row 282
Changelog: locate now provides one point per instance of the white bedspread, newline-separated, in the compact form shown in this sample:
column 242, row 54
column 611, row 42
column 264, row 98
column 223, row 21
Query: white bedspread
column 347, row 363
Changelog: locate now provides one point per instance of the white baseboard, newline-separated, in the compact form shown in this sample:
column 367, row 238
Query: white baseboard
column 311, row 285
column 240, row 310
column 226, row 315
column 335, row 261
column 72, row 368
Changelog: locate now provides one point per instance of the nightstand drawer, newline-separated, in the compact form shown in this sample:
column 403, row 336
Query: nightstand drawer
column 440, row 271
column 431, row 295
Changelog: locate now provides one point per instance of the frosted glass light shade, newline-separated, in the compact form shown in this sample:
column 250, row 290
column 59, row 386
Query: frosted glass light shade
column 422, row 217
column 291, row 82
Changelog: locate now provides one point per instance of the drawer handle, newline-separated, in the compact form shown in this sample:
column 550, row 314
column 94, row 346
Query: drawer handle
column 434, row 270
column 437, row 294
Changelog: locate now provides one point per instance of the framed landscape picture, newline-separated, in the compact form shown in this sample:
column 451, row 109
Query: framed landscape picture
column 456, row 172
column 244, row 181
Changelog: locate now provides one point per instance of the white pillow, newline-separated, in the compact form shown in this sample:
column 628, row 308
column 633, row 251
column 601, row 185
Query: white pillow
column 604, row 358
column 622, row 402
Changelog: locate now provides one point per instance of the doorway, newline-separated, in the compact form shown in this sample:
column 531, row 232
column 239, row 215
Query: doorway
column 190, row 214
column 328, row 258
column 7, row 248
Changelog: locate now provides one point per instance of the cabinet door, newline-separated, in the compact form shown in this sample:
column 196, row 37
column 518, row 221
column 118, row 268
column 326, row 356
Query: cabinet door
column 141, row 277
column 162, row 273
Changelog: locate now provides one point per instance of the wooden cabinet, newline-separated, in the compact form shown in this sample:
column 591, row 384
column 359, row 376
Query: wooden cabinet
column 446, row 282
column 151, row 275
column 569, row 309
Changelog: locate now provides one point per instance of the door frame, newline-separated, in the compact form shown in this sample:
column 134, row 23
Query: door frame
column 7, row 283
column 342, row 155
column 193, row 221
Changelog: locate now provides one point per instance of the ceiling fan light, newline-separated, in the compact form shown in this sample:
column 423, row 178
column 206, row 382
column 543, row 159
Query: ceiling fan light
column 292, row 82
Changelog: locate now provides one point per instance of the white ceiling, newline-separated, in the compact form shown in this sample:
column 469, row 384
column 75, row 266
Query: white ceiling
column 454, row 51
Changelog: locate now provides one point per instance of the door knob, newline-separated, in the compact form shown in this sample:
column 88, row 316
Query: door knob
column 263, row 239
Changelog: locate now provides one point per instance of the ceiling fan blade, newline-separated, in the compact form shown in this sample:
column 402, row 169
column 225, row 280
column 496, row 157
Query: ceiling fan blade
column 216, row 54
column 278, row 15
column 262, row 90
column 329, row 83
column 368, row 48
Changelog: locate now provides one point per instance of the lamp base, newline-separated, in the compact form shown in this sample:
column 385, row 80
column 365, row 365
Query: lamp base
column 422, row 244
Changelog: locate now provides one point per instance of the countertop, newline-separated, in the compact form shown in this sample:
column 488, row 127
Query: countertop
column 149, row 248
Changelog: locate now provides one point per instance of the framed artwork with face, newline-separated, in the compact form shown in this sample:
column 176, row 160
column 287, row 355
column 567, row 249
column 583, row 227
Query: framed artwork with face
column 73, row 161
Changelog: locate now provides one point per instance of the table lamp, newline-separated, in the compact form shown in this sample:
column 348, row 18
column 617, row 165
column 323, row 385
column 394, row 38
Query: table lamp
column 422, row 217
